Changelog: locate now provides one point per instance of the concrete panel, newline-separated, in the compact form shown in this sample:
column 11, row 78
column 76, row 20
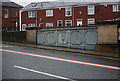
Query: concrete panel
column 76, row 37
column 41, row 38
column 91, row 36
column 83, row 38
column 62, row 38
column 51, row 38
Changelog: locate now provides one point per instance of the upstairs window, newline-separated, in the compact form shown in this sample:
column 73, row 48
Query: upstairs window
column 116, row 8
column 31, row 25
column 68, row 11
column 91, row 10
column 49, row 13
column 31, row 14
column 5, row 13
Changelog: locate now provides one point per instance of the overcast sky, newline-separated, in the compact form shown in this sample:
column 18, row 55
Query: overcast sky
column 26, row 2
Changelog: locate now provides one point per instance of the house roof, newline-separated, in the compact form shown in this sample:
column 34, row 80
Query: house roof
column 46, row 5
column 10, row 4
column 56, row 4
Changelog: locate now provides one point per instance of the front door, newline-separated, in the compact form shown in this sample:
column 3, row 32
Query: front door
column 23, row 27
column 41, row 25
column 79, row 22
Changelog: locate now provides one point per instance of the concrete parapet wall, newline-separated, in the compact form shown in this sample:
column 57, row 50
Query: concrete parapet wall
column 107, row 34
column 83, row 38
column 14, row 36
column 31, row 36
column 107, row 48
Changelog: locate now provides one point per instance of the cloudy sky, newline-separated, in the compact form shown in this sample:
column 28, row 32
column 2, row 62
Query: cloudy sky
column 25, row 2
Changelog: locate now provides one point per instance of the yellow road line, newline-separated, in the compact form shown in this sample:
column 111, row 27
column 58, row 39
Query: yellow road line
column 103, row 57
column 88, row 55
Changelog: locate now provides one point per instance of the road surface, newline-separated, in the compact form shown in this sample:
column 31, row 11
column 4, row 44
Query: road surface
column 30, row 63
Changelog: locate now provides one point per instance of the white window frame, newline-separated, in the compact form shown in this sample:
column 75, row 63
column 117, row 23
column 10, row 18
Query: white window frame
column 66, row 22
column 91, row 8
column 6, row 15
column 58, row 23
column 68, row 9
column 31, row 25
column 31, row 14
column 23, row 29
column 91, row 23
column 115, row 7
column 49, row 13
column 49, row 24
column 77, row 22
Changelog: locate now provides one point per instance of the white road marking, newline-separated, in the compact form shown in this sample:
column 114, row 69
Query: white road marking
column 64, row 60
column 39, row 72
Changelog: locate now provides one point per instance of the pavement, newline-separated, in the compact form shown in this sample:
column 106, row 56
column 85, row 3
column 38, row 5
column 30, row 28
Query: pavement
column 105, row 55
column 21, row 62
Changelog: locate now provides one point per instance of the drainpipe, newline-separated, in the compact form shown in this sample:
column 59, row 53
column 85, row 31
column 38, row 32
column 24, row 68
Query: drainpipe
column 20, row 20
column 36, row 18
column 73, row 15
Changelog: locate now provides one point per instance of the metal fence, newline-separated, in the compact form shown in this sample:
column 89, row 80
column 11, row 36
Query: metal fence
column 83, row 38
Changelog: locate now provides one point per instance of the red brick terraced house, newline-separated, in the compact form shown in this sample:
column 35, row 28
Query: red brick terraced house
column 61, row 14
column 10, row 16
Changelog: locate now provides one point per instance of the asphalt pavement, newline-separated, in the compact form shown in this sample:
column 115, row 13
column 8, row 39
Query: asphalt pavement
column 30, row 63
